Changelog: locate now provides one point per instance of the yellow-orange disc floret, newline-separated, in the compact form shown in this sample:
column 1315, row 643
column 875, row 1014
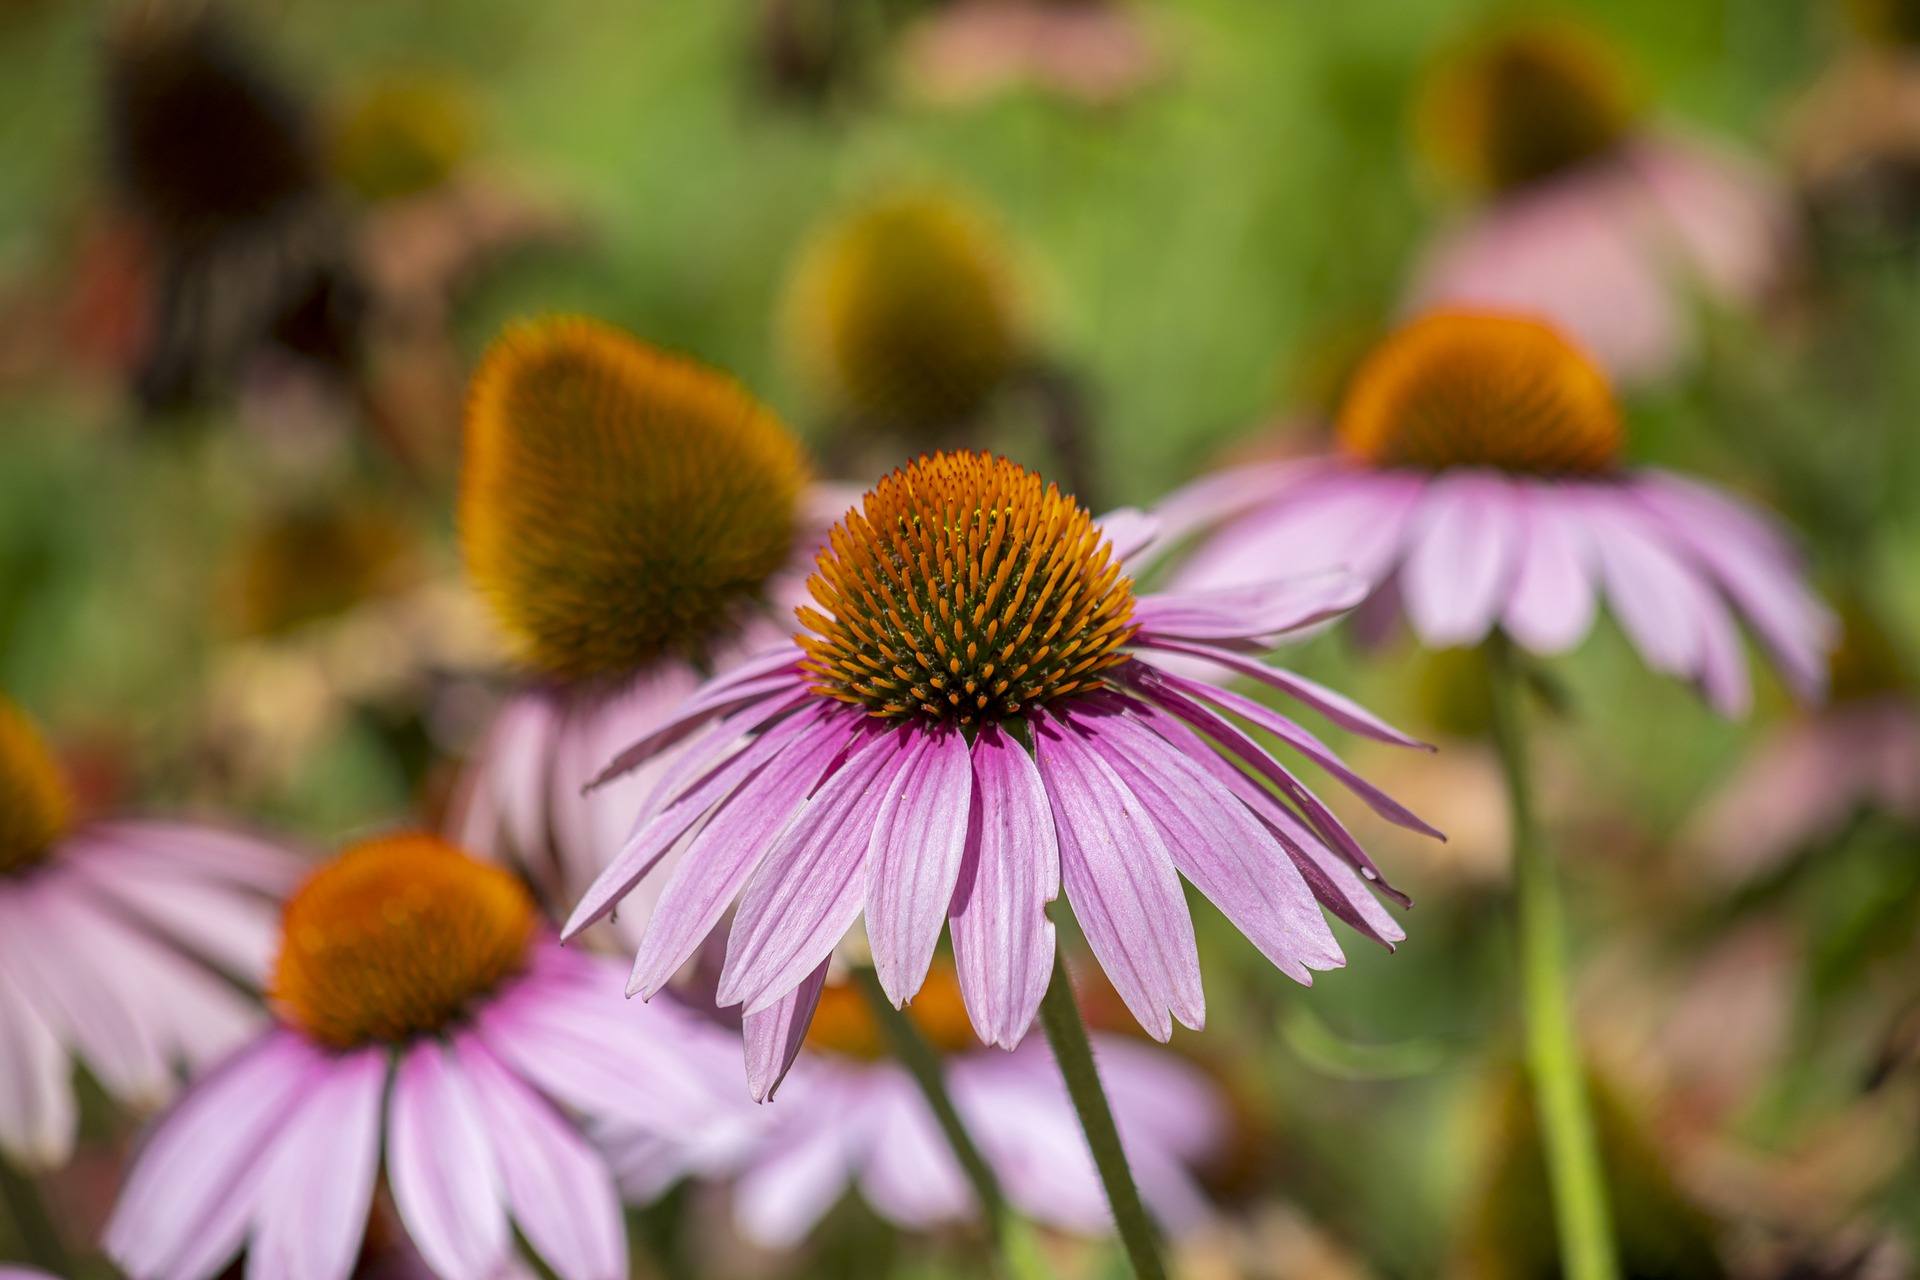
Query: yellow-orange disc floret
column 1528, row 102
column 618, row 503
column 904, row 315
column 1469, row 389
column 34, row 807
column 964, row 589
column 844, row 1021
column 398, row 937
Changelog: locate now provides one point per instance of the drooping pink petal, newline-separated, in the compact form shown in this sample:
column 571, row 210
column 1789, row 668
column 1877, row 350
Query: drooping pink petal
column 1554, row 596
column 775, row 1035
column 559, row 1189
column 1461, row 549
column 728, row 850
column 239, row 932
column 186, row 1204
column 1733, row 226
column 805, row 1169
column 1121, row 882
column 36, row 1093
column 919, row 836
column 1343, row 711
column 810, row 887
column 1650, row 588
column 1251, row 612
column 221, row 857
column 753, row 681
column 1344, row 519
column 1002, row 940
column 1219, row 845
column 446, row 1183
column 910, row 1175
column 502, row 803
column 1129, row 531
column 318, row 1184
column 1214, row 500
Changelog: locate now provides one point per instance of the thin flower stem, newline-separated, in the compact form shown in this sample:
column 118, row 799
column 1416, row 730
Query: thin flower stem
column 1574, row 1171
column 38, row 1235
column 1018, row 1249
column 1068, row 1036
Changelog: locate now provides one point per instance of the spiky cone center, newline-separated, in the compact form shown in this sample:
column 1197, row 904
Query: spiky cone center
column 966, row 590
column 1471, row 389
column 903, row 314
column 35, row 810
column 619, row 504
column 1525, row 104
column 396, row 938
column 844, row 1022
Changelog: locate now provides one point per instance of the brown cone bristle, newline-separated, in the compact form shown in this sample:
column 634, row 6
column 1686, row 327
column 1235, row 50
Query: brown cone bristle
column 965, row 589
column 1478, row 389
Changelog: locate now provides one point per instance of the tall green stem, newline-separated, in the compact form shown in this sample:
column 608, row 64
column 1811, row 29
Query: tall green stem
column 1068, row 1036
column 1553, row 1050
column 38, row 1235
column 1015, row 1243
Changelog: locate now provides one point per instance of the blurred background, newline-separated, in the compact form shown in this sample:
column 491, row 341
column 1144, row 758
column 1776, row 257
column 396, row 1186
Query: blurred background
column 248, row 255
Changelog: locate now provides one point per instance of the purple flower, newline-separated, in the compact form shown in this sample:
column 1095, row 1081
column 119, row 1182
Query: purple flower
column 427, row 1025
column 1480, row 486
column 120, row 943
column 966, row 725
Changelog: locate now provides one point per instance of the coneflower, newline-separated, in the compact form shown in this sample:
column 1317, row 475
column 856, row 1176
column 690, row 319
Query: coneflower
column 1595, row 219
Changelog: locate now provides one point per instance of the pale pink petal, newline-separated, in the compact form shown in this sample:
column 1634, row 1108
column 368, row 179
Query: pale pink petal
column 805, row 1170
column 919, row 836
column 1162, row 1099
column 1345, row 519
column 1554, row 596
column 1250, row 612
column 811, row 885
column 440, row 1161
column 559, row 1189
column 318, row 1184
column 185, row 1206
column 223, row 857
column 239, row 932
column 502, row 811
column 774, row 1035
column 1002, row 940
column 1343, row 711
column 753, row 681
column 1121, row 882
column 1461, row 551
column 1650, row 589
column 36, row 1088
column 1129, row 531
column 1214, row 500
column 911, row 1176
column 1732, row 226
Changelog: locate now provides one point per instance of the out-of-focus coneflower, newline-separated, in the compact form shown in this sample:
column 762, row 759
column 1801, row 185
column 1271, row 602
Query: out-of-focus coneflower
column 219, row 163
column 1810, row 777
column 314, row 561
column 635, row 520
column 965, row 723
column 849, row 1116
column 429, row 1031
column 1095, row 52
column 400, row 136
column 124, row 946
column 1479, row 489
column 1594, row 218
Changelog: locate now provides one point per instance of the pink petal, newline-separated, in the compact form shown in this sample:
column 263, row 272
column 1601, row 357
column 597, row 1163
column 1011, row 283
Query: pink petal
column 1223, row 849
column 1461, row 550
column 185, row 1206
column 919, row 836
column 1128, row 531
column 501, row 811
column 1733, row 225
column 810, row 887
column 1343, row 519
column 804, row 1170
column 441, row 1164
column 1554, row 596
column 753, row 681
column 36, row 1093
column 1121, row 882
column 1343, row 711
column 911, row 1176
column 775, row 1035
column 729, row 849
column 1251, row 612
column 1002, row 940
column 1214, row 500
column 558, row 1187
column 318, row 1184
column 238, row 931
column 1651, row 590
column 223, row 857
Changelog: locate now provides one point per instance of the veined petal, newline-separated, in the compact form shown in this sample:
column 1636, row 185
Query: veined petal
column 1344, row 519
column 1343, row 711
column 919, row 835
column 775, row 1034
column 1002, row 940
column 1251, row 612
column 441, row 1163
column 1121, row 882
column 754, row 680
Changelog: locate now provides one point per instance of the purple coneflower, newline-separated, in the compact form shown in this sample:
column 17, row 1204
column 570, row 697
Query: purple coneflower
column 427, row 1025
column 635, row 520
column 120, row 947
column 1597, row 220
column 964, row 725
column 849, row 1116
column 1479, row 485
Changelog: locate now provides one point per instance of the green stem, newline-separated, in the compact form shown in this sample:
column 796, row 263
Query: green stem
column 1068, row 1036
column 1015, row 1243
column 1574, row 1171
column 38, row 1235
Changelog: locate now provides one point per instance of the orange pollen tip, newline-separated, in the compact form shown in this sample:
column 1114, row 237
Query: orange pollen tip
column 618, row 504
column 844, row 1023
column 964, row 589
column 1475, row 389
column 35, row 810
column 396, row 938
